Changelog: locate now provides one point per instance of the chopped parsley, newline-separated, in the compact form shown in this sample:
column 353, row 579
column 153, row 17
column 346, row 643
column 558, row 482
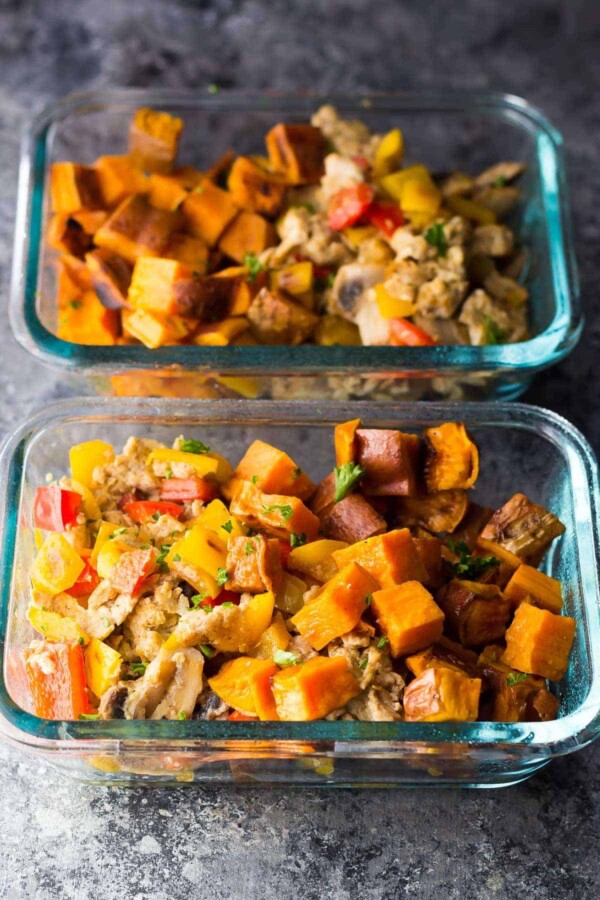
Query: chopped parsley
column 169, row 473
column 346, row 477
column 499, row 182
column 138, row 668
column 89, row 716
column 515, row 678
column 156, row 516
column 297, row 540
column 222, row 575
column 286, row 512
column 368, row 599
column 363, row 663
column 249, row 548
column 227, row 605
column 181, row 716
column 75, row 304
column 197, row 599
column 324, row 284
column 193, row 446
column 309, row 206
column 209, row 652
column 227, row 526
column 162, row 556
column 253, row 265
column 213, row 89
column 116, row 533
column 493, row 333
column 436, row 236
column 469, row 567
column 296, row 473
column 254, row 479
column 80, row 641
column 284, row 659
column 177, row 558
column 382, row 642
column 199, row 189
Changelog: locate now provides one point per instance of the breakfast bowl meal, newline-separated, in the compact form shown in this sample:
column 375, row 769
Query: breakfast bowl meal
column 333, row 594
column 390, row 247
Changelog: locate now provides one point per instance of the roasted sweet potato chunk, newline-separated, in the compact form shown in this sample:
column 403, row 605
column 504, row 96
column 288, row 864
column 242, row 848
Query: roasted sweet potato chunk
column 442, row 695
column 445, row 653
column 276, row 514
column 523, row 528
column 517, row 699
column 166, row 287
column 390, row 558
column 153, row 139
column 137, row 229
column 471, row 525
column 314, row 689
column 66, row 235
column 476, row 613
column 119, row 177
column 248, row 234
column 539, row 642
column 190, row 251
column 408, row 616
column 253, row 564
column 546, row 592
column 254, row 188
column 86, row 321
column 111, row 277
column 207, row 211
column 440, row 512
column 451, row 458
column 337, row 608
column 390, row 460
column 297, row 151
column 324, row 496
column 352, row 519
column 276, row 320
column 429, row 549
column 166, row 192
column 273, row 471
column 74, row 187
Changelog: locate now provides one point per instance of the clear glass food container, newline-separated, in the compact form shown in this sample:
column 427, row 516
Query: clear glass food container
column 522, row 448
column 467, row 131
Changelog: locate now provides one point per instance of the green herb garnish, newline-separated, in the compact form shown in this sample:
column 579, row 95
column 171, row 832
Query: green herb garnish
column 493, row 333
column 222, row 575
column 249, row 548
column 213, row 89
column 515, row 678
column 209, row 652
column 197, row 599
column 162, row 556
column 80, row 641
column 254, row 479
column 368, row 599
column 468, row 566
column 138, row 668
column 169, row 473
column 346, row 477
column 297, row 540
column 382, row 642
column 436, row 236
column 75, row 304
column 227, row 526
column 116, row 533
column 193, row 446
column 156, row 516
column 253, row 265
column 89, row 716
column 284, row 659
column 363, row 663
column 181, row 715
column 296, row 473
column 499, row 182
column 227, row 605
column 286, row 511
column 177, row 558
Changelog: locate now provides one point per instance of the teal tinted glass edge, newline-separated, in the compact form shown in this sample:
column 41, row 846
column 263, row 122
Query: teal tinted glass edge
column 533, row 739
column 556, row 341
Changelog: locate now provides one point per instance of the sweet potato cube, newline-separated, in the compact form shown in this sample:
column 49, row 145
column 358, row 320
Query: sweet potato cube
column 247, row 234
column 539, row 642
column 111, row 277
column 275, row 319
column 315, row 559
column 73, row 187
column 451, row 458
column 119, row 177
column 390, row 558
column 166, row 287
column 441, row 694
column 220, row 334
column 66, row 235
column 154, row 331
column 68, row 288
column 523, row 528
column 166, row 192
column 337, row 608
column 254, row 188
column 324, row 496
column 429, row 549
column 352, row 519
column 314, row 689
column 153, row 139
column 476, row 613
column 390, row 459
column 344, row 438
column 190, row 251
column 278, row 514
column 408, row 616
column 517, row 699
column 273, row 471
column 235, row 681
column 442, row 511
column 86, row 321
column 137, row 229
column 544, row 590
column 297, row 151
column 253, row 564
column 207, row 211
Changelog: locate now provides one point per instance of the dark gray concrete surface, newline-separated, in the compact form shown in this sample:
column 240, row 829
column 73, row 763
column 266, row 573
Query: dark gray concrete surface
column 538, row 840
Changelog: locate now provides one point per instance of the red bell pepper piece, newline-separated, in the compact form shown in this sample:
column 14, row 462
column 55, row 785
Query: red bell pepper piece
column 284, row 552
column 361, row 161
column 236, row 716
column 194, row 488
column 133, row 568
column 404, row 334
column 224, row 597
column 143, row 511
column 56, row 677
column 349, row 205
column 87, row 582
column 385, row 216
column 54, row 508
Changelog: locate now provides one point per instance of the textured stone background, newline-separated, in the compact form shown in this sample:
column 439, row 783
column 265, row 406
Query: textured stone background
column 538, row 840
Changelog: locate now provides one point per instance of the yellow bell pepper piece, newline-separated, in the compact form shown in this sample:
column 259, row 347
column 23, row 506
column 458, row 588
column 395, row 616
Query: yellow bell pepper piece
column 152, row 330
column 275, row 638
column 85, row 457
column 356, row 236
column 333, row 330
column 293, row 279
column 290, row 598
column 104, row 532
column 57, row 566
column 89, row 503
column 389, row 153
column 203, row 463
column 392, row 184
column 202, row 548
column 420, row 195
column 216, row 515
column 102, row 666
column 38, row 538
column 55, row 627
column 392, row 307
column 469, row 209
column 109, row 555
column 315, row 559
